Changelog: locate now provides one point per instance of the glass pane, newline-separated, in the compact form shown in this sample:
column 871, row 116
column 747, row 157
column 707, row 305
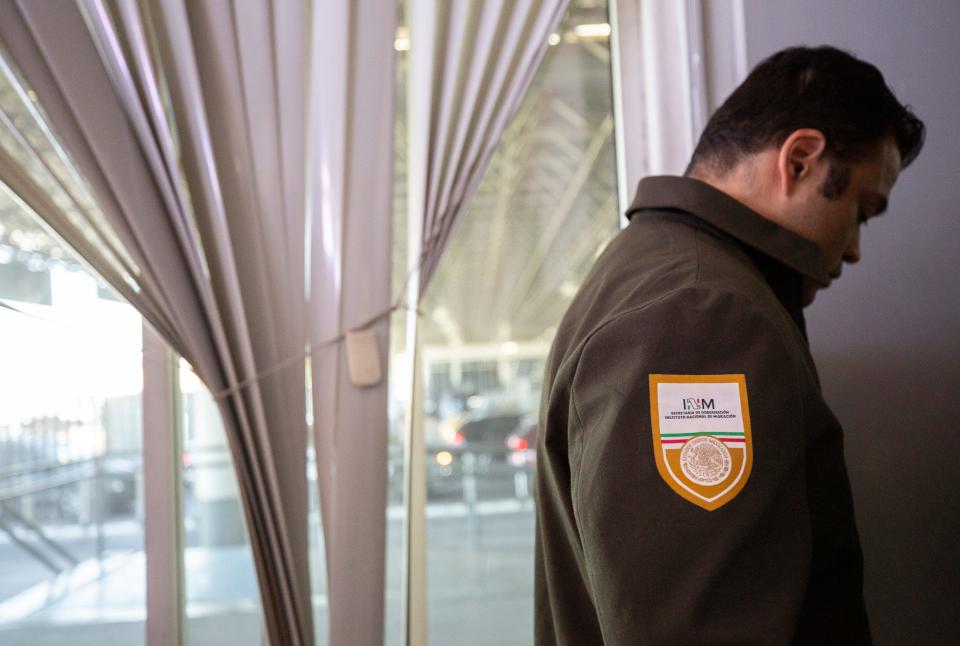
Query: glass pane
column 71, row 492
column 546, row 208
column 223, row 603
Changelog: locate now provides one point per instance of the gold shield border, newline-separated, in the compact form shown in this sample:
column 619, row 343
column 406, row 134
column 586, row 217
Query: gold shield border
column 738, row 485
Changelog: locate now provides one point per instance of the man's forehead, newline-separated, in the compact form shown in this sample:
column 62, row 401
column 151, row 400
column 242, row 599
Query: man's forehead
column 890, row 161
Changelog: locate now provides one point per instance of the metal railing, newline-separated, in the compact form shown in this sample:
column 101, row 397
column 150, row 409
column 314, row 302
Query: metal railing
column 74, row 492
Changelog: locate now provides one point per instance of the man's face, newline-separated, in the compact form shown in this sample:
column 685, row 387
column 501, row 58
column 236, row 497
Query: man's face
column 834, row 224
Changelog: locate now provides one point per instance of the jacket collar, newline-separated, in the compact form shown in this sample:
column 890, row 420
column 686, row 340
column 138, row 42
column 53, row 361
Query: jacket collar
column 733, row 218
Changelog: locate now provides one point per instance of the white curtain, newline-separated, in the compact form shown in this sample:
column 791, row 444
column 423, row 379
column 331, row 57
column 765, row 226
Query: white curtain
column 470, row 65
column 351, row 173
column 221, row 141
column 211, row 206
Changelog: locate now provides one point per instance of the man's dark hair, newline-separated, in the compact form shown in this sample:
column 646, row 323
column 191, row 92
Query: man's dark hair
column 822, row 88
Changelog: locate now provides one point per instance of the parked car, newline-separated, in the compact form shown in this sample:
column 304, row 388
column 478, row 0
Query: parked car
column 522, row 444
column 473, row 444
column 487, row 433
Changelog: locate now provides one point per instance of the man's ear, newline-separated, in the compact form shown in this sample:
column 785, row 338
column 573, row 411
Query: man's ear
column 799, row 158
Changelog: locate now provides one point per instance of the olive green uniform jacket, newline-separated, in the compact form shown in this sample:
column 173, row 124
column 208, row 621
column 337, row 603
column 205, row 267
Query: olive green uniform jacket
column 697, row 284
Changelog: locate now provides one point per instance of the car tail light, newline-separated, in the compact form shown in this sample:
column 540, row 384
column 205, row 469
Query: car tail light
column 517, row 443
column 458, row 438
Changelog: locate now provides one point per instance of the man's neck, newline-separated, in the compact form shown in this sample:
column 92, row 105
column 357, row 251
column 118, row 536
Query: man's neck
column 744, row 182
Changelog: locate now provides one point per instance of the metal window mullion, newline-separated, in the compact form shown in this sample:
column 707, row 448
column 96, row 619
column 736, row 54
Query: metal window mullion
column 415, row 536
column 415, row 488
column 626, row 67
column 694, row 27
column 163, row 494
column 658, row 88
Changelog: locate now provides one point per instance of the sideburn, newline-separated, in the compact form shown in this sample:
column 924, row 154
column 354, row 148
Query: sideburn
column 837, row 181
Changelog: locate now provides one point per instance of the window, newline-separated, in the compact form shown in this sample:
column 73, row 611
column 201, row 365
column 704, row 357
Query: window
column 222, row 597
column 543, row 212
column 71, row 491
column 72, row 504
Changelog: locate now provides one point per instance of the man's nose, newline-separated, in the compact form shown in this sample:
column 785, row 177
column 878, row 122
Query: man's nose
column 852, row 253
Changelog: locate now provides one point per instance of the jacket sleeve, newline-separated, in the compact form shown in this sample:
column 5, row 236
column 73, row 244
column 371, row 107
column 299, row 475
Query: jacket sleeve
column 662, row 569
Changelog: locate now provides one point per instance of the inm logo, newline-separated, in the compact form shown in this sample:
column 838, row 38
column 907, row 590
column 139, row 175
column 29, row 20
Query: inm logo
column 695, row 403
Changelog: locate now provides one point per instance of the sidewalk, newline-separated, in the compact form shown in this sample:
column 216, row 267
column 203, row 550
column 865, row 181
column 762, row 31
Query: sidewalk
column 480, row 585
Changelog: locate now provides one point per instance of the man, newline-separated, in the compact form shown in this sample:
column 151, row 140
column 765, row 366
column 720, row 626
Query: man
column 692, row 486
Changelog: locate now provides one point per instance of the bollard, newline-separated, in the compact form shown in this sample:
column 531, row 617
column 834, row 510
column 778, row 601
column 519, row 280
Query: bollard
column 469, row 462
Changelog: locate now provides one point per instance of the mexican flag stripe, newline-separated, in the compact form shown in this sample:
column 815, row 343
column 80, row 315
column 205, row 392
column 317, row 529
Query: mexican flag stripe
column 717, row 434
column 725, row 440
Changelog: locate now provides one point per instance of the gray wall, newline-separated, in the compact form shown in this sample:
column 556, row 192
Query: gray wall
column 886, row 336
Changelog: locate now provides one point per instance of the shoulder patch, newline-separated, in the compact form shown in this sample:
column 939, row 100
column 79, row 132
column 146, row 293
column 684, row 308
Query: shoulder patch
column 701, row 435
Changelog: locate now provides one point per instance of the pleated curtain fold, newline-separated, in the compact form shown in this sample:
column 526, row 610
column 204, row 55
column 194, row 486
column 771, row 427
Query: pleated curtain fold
column 227, row 165
column 240, row 159
column 471, row 64
column 350, row 133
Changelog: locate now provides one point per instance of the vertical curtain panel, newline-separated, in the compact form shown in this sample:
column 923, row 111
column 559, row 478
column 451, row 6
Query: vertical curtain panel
column 350, row 133
column 205, row 219
column 239, row 158
column 471, row 64
column 239, row 155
